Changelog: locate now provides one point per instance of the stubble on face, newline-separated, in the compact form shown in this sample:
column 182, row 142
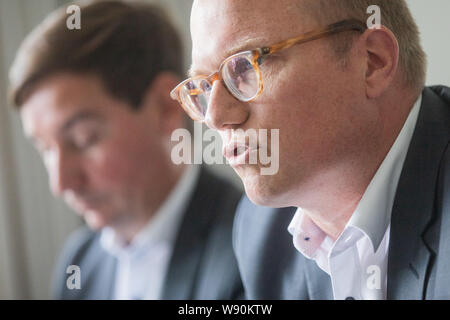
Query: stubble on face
column 222, row 28
column 307, row 95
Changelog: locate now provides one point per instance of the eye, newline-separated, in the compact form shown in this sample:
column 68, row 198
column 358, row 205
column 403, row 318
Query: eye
column 205, row 86
column 261, row 60
column 85, row 140
column 240, row 65
column 84, row 135
column 190, row 85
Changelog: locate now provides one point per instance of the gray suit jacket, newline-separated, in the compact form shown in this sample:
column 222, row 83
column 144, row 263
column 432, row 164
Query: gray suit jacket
column 419, row 247
column 202, row 265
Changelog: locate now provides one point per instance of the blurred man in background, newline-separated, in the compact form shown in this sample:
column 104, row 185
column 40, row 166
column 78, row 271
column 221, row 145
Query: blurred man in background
column 95, row 102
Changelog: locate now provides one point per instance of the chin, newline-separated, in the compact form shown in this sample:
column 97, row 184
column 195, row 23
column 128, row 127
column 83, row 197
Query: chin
column 94, row 220
column 264, row 190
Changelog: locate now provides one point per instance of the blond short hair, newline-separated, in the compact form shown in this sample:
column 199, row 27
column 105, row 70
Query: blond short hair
column 395, row 15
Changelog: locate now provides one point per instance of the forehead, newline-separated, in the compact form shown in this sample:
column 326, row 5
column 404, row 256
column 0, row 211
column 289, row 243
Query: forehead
column 220, row 28
column 57, row 98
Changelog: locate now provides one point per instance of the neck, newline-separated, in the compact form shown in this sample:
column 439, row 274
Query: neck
column 142, row 215
column 331, row 205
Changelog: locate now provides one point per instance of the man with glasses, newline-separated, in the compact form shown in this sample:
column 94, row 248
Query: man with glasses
column 95, row 102
column 363, row 175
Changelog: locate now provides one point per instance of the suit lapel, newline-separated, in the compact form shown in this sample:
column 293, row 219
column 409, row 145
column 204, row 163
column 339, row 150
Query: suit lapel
column 442, row 276
column 98, row 274
column 410, row 248
column 181, row 274
column 104, row 276
column 318, row 282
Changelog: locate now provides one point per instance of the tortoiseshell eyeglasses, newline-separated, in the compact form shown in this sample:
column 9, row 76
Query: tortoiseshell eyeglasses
column 241, row 74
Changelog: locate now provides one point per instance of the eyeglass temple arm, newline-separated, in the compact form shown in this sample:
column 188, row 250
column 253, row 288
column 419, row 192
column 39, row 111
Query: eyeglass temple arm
column 345, row 25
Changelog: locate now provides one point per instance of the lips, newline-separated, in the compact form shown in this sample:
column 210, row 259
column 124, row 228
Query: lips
column 234, row 149
column 237, row 153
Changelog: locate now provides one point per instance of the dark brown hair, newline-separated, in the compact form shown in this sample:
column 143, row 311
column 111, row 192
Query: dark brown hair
column 126, row 44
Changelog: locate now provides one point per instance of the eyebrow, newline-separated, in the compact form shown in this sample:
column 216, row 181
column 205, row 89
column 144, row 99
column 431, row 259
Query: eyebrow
column 70, row 123
column 247, row 44
column 77, row 118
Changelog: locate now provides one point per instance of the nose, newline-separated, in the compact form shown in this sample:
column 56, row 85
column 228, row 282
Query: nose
column 224, row 111
column 65, row 173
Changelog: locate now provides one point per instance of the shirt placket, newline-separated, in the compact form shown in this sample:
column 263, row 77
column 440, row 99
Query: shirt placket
column 123, row 292
column 345, row 270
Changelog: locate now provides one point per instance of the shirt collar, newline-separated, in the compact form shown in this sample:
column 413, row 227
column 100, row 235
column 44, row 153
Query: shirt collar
column 373, row 213
column 308, row 237
column 163, row 226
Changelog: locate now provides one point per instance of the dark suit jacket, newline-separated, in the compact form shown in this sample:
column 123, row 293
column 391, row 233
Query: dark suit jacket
column 202, row 265
column 419, row 247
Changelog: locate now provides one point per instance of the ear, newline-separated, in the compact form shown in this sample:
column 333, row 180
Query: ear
column 164, row 113
column 382, row 50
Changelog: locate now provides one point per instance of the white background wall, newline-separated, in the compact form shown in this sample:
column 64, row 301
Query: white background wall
column 32, row 224
column 432, row 16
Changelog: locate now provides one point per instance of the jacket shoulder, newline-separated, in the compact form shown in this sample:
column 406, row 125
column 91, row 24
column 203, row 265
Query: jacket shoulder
column 75, row 245
column 220, row 192
column 79, row 249
column 270, row 266
column 218, row 273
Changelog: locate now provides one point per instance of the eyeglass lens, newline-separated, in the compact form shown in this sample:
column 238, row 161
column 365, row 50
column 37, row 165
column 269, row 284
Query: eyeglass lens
column 239, row 76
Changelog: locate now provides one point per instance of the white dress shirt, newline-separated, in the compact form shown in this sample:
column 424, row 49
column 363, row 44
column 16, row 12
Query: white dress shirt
column 142, row 264
column 357, row 260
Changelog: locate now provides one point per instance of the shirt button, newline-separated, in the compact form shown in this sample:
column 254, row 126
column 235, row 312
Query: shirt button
column 349, row 298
